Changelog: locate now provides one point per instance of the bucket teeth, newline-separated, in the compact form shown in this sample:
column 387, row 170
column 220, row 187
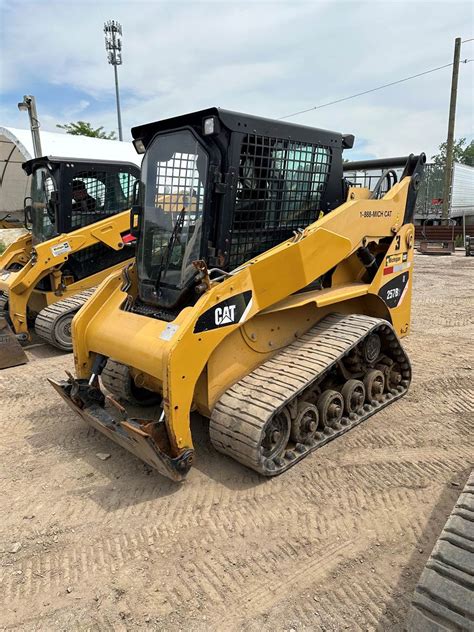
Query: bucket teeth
column 11, row 352
column 145, row 438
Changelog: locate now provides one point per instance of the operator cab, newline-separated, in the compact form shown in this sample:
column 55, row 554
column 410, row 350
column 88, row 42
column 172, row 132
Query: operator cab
column 224, row 187
column 68, row 194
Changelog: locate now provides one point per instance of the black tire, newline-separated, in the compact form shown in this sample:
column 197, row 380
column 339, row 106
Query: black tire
column 118, row 381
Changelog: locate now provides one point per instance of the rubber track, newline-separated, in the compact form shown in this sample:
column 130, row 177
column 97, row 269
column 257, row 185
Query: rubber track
column 238, row 419
column 115, row 378
column 47, row 318
column 444, row 595
column 3, row 300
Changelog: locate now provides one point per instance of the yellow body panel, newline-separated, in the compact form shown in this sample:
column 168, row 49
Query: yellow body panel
column 17, row 252
column 47, row 259
column 193, row 369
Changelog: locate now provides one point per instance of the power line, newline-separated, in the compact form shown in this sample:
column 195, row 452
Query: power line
column 386, row 85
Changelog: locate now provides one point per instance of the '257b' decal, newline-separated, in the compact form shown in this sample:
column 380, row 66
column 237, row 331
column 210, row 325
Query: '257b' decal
column 393, row 292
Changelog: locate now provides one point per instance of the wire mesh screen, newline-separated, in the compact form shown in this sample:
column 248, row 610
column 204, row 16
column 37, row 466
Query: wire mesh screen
column 175, row 170
column 279, row 191
column 99, row 194
column 179, row 193
column 179, row 184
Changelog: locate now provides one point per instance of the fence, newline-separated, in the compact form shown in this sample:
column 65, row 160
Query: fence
column 441, row 233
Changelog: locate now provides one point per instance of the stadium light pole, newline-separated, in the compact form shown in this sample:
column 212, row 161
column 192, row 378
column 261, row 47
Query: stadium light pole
column 29, row 105
column 113, row 46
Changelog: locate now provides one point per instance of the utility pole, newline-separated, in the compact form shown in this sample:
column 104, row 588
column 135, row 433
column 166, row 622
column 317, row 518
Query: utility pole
column 113, row 46
column 29, row 105
column 450, row 139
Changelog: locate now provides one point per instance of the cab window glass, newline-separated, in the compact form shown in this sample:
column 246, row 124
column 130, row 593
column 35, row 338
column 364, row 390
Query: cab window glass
column 99, row 194
column 44, row 205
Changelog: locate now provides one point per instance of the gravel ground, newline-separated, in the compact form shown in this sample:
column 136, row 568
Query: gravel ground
column 336, row 543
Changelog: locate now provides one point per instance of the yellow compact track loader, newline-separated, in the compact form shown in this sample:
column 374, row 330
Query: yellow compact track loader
column 271, row 298
column 80, row 232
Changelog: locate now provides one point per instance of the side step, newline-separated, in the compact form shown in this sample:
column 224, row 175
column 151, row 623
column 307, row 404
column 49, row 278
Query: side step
column 304, row 379
column 444, row 595
column 53, row 323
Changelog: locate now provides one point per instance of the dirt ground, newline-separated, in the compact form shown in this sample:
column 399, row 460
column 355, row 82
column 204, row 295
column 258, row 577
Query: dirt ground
column 336, row 543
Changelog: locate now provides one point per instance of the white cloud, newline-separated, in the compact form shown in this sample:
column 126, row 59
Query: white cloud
column 268, row 58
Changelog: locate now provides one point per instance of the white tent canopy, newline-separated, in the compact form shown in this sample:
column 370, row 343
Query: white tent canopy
column 16, row 147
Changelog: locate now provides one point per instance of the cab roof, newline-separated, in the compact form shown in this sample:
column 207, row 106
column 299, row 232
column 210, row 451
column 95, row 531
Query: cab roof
column 29, row 165
column 247, row 124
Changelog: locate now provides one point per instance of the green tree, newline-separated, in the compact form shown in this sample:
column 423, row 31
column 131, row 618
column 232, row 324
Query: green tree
column 469, row 154
column 81, row 128
column 464, row 155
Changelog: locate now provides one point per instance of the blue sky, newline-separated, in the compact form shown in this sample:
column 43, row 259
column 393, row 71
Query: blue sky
column 268, row 58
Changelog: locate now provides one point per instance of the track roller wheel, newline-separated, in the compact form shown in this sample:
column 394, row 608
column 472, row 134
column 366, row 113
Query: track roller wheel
column 117, row 379
column 62, row 332
column 371, row 348
column 330, row 408
column 305, row 424
column 276, row 434
column 353, row 394
column 374, row 382
column 395, row 376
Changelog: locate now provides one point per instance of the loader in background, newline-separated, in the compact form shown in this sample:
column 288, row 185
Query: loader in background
column 79, row 213
column 9, row 221
column 271, row 298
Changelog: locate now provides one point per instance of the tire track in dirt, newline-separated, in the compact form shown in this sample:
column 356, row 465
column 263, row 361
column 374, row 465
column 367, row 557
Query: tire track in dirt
column 298, row 577
column 216, row 545
column 353, row 606
column 344, row 518
column 371, row 471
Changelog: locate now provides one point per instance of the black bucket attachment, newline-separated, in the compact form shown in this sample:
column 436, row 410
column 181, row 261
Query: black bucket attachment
column 145, row 438
column 11, row 351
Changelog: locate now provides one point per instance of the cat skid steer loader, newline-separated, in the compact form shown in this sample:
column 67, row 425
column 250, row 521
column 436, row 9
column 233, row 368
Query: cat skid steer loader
column 271, row 298
column 80, row 219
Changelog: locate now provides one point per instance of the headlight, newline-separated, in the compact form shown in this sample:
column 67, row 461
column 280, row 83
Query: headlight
column 139, row 146
column 210, row 126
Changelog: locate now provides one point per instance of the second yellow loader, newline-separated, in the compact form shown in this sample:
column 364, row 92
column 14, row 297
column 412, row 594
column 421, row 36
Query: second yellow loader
column 79, row 212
